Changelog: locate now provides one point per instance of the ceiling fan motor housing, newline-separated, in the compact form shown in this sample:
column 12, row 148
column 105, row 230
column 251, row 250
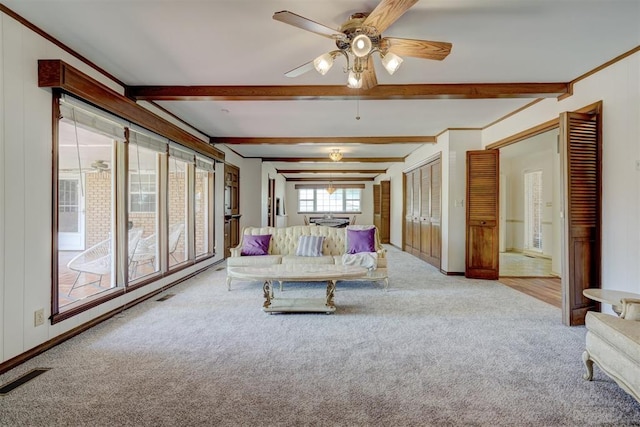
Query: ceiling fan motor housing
column 353, row 28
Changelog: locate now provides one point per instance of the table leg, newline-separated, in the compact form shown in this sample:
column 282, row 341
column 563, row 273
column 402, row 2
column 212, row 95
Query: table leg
column 331, row 289
column 267, row 293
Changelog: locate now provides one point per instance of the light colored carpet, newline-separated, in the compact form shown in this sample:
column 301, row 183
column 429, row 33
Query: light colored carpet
column 434, row 350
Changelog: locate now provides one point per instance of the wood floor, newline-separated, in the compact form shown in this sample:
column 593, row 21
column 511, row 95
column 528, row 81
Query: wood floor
column 546, row 289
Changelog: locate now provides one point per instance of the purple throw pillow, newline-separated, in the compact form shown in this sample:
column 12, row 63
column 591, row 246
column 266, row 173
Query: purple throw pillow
column 255, row 245
column 361, row 241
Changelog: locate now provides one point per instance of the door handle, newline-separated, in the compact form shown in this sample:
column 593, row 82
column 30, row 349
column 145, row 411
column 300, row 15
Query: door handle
column 483, row 222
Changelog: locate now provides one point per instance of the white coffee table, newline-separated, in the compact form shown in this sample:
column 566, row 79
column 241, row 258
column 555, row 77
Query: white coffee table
column 608, row 296
column 329, row 273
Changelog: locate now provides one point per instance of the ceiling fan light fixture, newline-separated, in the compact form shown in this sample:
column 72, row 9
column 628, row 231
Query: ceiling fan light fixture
column 391, row 62
column 354, row 81
column 323, row 63
column 361, row 45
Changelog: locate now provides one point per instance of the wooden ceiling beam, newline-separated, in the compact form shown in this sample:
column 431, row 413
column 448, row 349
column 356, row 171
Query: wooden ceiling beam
column 332, row 171
column 331, row 180
column 320, row 92
column 326, row 160
column 325, row 140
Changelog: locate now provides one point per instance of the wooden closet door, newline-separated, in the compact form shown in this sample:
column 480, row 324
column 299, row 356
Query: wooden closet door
column 408, row 212
column 385, row 211
column 582, row 167
column 482, row 241
column 436, row 214
column 415, row 247
column 425, row 212
column 376, row 207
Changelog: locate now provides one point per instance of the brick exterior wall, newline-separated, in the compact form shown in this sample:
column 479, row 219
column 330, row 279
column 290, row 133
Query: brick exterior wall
column 98, row 209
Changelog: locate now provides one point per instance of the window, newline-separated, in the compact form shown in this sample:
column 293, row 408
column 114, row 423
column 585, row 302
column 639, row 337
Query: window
column 533, row 211
column 87, row 143
column 142, row 192
column 103, row 243
column 318, row 200
column 204, row 207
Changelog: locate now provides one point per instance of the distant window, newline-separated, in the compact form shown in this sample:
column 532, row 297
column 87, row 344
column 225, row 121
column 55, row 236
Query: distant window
column 533, row 210
column 142, row 192
column 318, row 200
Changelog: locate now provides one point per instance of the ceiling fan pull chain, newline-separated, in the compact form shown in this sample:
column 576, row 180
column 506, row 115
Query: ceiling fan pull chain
column 358, row 106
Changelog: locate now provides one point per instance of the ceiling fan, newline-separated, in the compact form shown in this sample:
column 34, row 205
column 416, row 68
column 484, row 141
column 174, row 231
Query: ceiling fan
column 359, row 37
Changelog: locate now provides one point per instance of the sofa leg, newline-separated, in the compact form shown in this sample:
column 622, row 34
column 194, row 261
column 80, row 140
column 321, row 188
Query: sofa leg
column 228, row 283
column 588, row 363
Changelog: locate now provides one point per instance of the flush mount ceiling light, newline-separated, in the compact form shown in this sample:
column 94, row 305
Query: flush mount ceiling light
column 359, row 37
column 335, row 155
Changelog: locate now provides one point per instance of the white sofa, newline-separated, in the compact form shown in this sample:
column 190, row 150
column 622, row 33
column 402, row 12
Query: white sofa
column 613, row 343
column 284, row 242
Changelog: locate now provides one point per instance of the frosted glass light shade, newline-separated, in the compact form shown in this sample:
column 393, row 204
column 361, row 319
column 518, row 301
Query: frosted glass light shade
column 391, row 62
column 361, row 46
column 354, row 81
column 323, row 63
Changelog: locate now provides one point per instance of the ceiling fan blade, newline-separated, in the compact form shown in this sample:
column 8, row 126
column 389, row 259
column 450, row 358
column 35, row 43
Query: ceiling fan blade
column 386, row 13
column 300, row 70
column 424, row 49
column 306, row 24
column 369, row 79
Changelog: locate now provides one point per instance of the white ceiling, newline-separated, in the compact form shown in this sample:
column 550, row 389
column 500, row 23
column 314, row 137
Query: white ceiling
column 236, row 42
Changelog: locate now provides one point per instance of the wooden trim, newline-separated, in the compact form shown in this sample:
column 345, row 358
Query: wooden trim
column 330, row 180
column 597, row 70
column 325, row 92
column 55, row 114
column 332, row 171
column 527, row 133
column 58, row 43
column 325, row 140
column 29, row 354
column 327, row 160
column 54, row 73
column 323, row 186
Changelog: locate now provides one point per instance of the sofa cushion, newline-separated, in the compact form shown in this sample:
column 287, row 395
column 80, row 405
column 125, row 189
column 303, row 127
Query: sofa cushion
column 256, row 244
column 250, row 261
column 310, row 246
column 293, row 259
column 360, row 240
column 621, row 334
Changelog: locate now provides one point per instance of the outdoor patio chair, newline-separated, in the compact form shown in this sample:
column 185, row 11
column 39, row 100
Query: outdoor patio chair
column 146, row 248
column 97, row 259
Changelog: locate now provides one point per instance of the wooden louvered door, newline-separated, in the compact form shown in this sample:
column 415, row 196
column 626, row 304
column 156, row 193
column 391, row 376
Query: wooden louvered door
column 415, row 249
column 408, row 212
column 385, row 211
column 482, row 239
column 425, row 211
column 377, row 217
column 436, row 214
column 430, row 212
column 580, row 136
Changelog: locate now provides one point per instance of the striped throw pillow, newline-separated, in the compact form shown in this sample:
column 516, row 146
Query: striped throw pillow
column 310, row 246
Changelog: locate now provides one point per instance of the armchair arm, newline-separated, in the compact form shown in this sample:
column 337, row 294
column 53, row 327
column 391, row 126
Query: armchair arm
column 630, row 309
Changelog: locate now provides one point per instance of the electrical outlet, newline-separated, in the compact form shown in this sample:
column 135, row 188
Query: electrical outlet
column 38, row 317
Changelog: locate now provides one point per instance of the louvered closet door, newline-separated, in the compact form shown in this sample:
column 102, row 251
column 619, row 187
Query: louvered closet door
column 482, row 256
column 582, row 155
column 425, row 212
column 415, row 250
column 436, row 213
column 408, row 212
column 376, row 207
